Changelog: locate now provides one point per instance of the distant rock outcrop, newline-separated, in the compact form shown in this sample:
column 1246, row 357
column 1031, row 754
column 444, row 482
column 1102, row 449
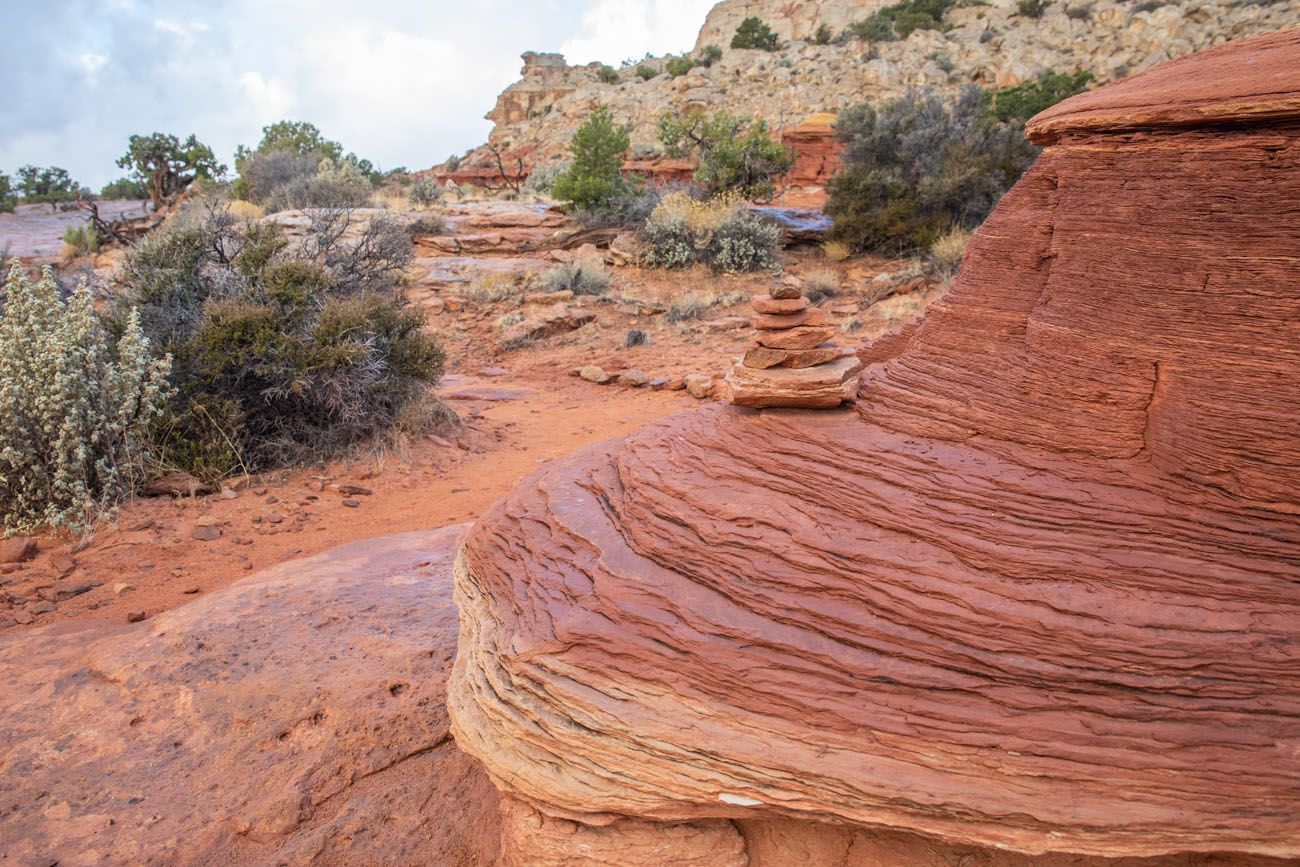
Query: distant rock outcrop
column 992, row 44
column 1036, row 596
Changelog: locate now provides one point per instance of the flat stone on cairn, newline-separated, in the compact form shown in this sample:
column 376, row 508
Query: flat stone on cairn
column 792, row 362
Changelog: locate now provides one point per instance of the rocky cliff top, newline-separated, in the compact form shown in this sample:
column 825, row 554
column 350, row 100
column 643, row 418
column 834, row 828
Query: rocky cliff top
column 991, row 44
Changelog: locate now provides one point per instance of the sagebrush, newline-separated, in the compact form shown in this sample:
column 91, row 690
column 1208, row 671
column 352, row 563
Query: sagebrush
column 720, row 232
column 77, row 415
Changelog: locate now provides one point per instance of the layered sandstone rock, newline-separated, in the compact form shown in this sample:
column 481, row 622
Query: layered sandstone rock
column 294, row 718
column 1038, row 593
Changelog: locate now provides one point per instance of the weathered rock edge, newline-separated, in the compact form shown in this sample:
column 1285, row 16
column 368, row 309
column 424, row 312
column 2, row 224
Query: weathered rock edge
column 1039, row 592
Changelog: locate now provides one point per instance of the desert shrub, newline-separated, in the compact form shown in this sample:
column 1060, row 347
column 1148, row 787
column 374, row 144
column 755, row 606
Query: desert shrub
column 262, row 174
column 77, row 414
column 736, row 154
column 580, row 278
column 709, row 55
column 124, row 188
column 541, row 181
column 645, row 72
column 593, row 179
column 823, row 35
column 494, row 287
column 1018, row 104
column 452, row 164
column 310, row 171
column 166, row 166
column 607, row 74
column 49, row 184
column 341, row 184
column 947, row 250
column 8, row 201
column 635, row 337
column 690, row 306
column 753, row 32
column 676, row 67
column 427, row 224
column 820, row 285
column 1032, row 8
column 919, row 165
column 425, row 192
column 899, row 20
column 720, row 232
column 283, row 352
column 836, row 251
column 81, row 238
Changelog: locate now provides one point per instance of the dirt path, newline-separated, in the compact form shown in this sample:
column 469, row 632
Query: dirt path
column 151, row 549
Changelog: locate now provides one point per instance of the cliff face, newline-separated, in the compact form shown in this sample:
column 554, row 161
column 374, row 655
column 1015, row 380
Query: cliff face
column 1038, row 592
column 989, row 44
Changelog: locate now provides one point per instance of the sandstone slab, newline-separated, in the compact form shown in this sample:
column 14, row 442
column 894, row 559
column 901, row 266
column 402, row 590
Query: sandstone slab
column 822, row 387
column 804, row 337
column 295, row 717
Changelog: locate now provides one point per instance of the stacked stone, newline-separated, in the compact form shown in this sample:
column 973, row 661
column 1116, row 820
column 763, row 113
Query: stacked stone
column 792, row 361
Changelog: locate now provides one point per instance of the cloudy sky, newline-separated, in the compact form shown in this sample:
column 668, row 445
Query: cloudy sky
column 400, row 82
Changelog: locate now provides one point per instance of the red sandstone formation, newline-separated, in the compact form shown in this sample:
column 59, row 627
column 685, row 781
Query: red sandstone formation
column 1038, row 591
column 816, row 158
column 296, row 717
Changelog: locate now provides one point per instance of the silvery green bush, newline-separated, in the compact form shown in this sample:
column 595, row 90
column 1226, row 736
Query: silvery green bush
column 76, row 415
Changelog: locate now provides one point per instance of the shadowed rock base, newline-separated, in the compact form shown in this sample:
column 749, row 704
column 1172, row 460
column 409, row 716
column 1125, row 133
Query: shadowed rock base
column 294, row 718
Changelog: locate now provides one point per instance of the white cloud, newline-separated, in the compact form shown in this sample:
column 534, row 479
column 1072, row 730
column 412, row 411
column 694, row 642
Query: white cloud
column 615, row 30
column 399, row 82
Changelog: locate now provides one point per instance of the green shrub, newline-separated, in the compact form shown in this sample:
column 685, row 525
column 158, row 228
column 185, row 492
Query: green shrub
column 124, row 188
column 1018, row 104
column 76, row 414
column 283, row 352
column 901, row 19
column 676, row 67
column 709, row 55
column 736, row 154
column 1033, row 8
column 607, row 74
column 341, row 184
column 918, row 166
column 580, row 278
column 50, row 185
column 81, row 238
column 721, row 233
column 645, row 72
column 425, row 192
column 7, row 199
column 753, row 32
column 598, row 148
column 824, row 35
column 166, row 166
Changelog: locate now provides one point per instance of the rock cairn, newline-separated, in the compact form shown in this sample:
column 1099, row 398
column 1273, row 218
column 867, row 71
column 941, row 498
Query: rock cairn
column 792, row 361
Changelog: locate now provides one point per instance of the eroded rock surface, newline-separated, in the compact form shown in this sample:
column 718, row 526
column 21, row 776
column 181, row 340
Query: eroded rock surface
column 1038, row 591
column 296, row 717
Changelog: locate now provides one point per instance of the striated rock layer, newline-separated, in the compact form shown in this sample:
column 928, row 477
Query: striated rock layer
column 1037, row 591
column 296, row 717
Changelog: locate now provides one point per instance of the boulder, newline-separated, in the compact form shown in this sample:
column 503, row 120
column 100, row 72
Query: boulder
column 17, row 549
column 1034, row 599
column 294, row 717
column 548, row 322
